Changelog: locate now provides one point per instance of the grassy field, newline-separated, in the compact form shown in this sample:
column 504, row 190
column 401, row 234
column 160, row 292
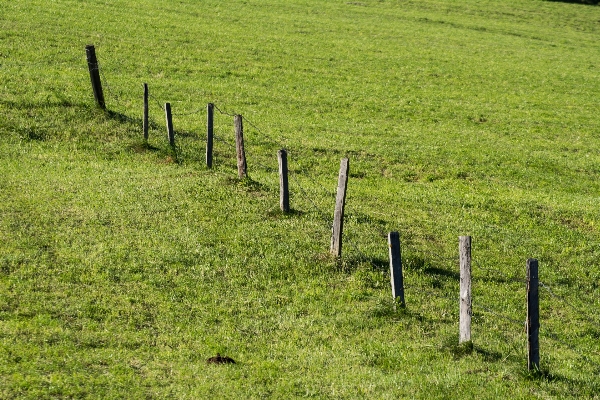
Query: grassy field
column 125, row 265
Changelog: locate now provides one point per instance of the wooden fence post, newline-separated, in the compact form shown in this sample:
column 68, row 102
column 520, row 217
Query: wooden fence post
column 465, row 289
column 209, row 133
column 396, row 277
column 170, row 132
column 145, row 123
column 340, row 203
column 239, row 146
column 95, row 75
column 284, row 194
column 533, row 316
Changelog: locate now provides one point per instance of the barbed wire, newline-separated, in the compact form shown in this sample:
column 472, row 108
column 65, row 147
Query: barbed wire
column 570, row 347
column 223, row 112
column 579, row 312
column 487, row 309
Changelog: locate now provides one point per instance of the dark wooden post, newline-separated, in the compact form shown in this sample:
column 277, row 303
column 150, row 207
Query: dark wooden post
column 239, row 147
column 145, row 123
column 210, row 108
column 533, row 316
column 396, row 269
column 284, row 194
column 464, row 248
column 340, row 203
column 170, row 132
column 95, row 75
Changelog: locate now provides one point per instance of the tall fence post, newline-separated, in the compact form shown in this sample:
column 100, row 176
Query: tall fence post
column 340, row 203
column 464, row 247
column 170, row 132
column 239, row 146
column 145, row 121
column 210, row 108
column 533, row 316
column 284, row 193
column 396, row 277
column 90, row 52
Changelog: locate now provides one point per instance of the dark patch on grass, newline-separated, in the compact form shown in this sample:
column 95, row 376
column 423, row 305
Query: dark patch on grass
column 219, row 359
column 32, row 134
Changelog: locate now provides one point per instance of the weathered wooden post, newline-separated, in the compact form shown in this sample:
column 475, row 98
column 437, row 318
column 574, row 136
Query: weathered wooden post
column 95, row 75
column 284, row 193
column 464, row 248
column 533, row 316
column 396, row 278
column 340, row 203
column 239, row 146
column 210, row 108
column 145, row 121
column 170, row 132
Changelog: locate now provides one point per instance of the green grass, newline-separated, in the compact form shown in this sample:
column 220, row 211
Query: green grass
column 124, row 266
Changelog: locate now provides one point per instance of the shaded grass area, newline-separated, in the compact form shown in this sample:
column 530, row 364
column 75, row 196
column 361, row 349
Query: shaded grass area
column 125, row 265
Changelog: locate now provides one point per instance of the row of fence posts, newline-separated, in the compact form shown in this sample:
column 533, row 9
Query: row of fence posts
column 465, row 299
column 396, row 275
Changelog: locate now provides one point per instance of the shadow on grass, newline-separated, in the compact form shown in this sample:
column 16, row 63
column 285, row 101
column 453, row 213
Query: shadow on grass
column 582, row 2
column 278, row 213
column 142, row 147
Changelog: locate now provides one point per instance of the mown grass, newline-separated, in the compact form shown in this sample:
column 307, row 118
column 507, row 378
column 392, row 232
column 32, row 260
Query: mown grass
column 125, row 266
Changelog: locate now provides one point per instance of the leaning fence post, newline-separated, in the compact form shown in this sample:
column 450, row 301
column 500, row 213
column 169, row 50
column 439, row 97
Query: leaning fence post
column 284, row 193
column 338, row 216
column 145, row 121
column 170, row 132
column 533, row 316
column 209, row 133
column 239, row 146
column 465, row 289
column 95, row 75
column 396, row 278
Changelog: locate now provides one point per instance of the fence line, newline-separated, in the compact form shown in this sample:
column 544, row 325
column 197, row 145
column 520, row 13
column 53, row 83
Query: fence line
column 327, row 218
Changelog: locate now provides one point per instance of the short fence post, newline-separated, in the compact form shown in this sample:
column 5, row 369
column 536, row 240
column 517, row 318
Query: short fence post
column 145, row 121
column 284, row 194
column 533, row 316
column 340, row 203
column 396, row 277
column 209, row 133
column 170, row 132
column 95, row 75
column 465, row 289
column 239, row 147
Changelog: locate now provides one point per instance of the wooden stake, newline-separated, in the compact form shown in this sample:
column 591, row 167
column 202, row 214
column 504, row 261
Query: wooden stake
column 533, row 316
column 239, row 146
column 396, row 277
column 340, row 203
column 145, row 123
column 170, row 132
column 284, row 194
column 95, row 75
column 465, row 289
column 209, row 134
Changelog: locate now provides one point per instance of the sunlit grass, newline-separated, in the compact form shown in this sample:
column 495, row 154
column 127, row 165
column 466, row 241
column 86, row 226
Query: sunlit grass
column 124, row 266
